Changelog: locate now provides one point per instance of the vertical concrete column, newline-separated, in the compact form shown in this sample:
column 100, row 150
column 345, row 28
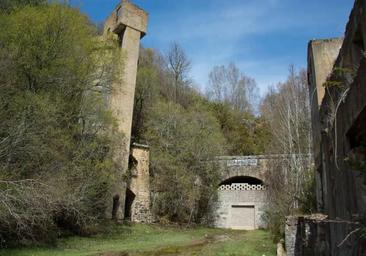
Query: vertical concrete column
column 322, row 55
column 122, row 99
column 129, row 23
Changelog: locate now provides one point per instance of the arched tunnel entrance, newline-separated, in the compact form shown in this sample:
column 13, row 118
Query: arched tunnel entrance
column 242, row 180
column 240, row 204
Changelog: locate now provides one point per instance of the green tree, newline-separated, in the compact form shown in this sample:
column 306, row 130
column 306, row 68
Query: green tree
column 245, row 133
column 178, row 66
column 147, row 91
column 54, row 126
column 181, row 140
column 10, row 5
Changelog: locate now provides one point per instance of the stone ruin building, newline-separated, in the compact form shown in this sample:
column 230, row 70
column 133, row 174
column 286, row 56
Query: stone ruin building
column 337, row 85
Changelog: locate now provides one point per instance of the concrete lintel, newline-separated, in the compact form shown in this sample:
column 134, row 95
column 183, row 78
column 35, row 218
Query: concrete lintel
column 141, row 146
column 127, row 14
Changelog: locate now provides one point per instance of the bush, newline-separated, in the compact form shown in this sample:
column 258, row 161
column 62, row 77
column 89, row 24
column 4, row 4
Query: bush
column 181, row 140
column 285, row 197
column 56, row 149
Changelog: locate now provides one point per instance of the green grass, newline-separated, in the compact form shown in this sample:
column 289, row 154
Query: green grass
column 138, row 240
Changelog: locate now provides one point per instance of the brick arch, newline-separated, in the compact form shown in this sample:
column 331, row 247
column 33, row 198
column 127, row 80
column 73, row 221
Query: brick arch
column 242, row 179
column 243, row 166
column 232, row 173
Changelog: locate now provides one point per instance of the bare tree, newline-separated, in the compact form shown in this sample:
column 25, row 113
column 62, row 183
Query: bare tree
column 229, row 85
column 287, row 110
column 179, row 65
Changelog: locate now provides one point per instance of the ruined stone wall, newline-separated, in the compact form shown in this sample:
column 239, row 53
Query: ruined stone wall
column 140, row 184
column 311, row 235
column 342, row 122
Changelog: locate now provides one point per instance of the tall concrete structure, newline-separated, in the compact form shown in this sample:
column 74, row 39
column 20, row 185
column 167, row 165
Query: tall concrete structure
column 322, row 55
column 129, row 23
column 340, row 149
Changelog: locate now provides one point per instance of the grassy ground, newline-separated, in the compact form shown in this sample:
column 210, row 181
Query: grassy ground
column 144, row 240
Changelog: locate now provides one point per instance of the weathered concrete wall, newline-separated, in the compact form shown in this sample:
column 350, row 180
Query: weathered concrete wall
column 311, row 235
column 126, row 14
column 302, row 232
column 342, row 115
column 322, row 55
column 140, row 184
column 129, row 23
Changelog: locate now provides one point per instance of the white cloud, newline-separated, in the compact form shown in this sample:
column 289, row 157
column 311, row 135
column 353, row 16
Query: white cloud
column 225, row 31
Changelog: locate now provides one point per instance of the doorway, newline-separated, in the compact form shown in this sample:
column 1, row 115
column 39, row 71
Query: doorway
column 130, row 197
column 242, row 217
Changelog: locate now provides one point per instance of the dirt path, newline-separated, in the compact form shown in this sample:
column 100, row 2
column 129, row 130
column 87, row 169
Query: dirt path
column 191, row 249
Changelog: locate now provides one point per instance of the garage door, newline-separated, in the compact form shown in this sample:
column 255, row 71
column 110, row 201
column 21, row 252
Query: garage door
column 242, row 217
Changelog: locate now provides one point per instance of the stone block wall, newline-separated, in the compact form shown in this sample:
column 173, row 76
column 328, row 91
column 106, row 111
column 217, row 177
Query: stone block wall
column 243, row 184
column 234, row 195
column 140, row 184
column 255, row 166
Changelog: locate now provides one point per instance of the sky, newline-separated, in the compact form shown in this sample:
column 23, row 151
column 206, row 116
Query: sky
column 262, row 37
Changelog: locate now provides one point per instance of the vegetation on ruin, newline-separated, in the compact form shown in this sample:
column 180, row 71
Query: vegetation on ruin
column 139, row 240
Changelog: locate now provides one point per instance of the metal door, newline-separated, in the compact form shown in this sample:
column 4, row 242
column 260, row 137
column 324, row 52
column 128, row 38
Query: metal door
column 242, row 217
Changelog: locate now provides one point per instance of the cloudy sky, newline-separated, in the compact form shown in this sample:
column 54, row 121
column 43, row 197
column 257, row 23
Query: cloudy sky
column 263, row 37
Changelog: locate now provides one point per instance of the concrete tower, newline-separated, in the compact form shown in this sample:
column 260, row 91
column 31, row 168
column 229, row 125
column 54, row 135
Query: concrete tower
column 129, row 23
